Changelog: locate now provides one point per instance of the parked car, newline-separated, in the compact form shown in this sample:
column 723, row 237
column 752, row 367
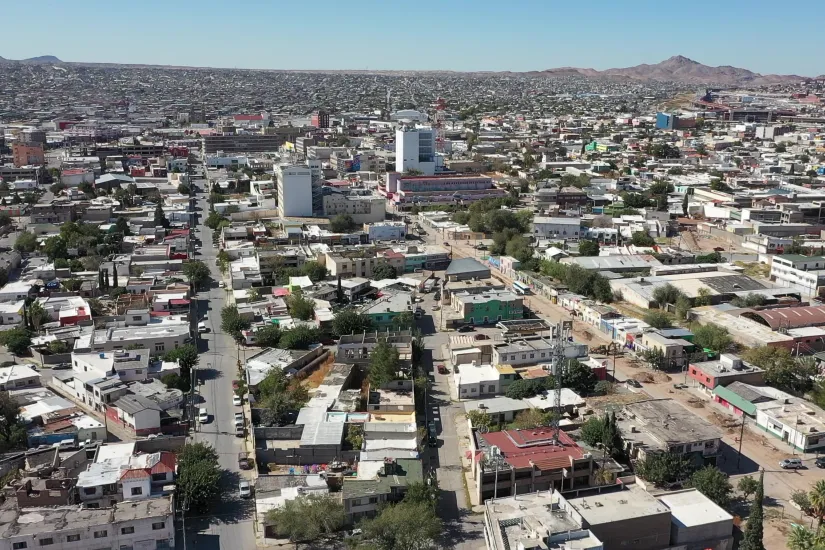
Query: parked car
column 244, row 489
column 243, row 461
column 203, row 415
column 62, row 366
column 221, row 284
column 442, row 369
column 202, row 328
column 239, row 418
column 633, row 383
column 236, row 400
column 465, row 328
column 791, row 464
column 820, row 462
column 481, row 337
column 235, row 384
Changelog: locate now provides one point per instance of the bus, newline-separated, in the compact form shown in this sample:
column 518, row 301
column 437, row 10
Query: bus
column 520, row 288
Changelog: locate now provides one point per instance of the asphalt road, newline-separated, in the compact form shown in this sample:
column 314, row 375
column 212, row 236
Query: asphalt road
column 230, row 524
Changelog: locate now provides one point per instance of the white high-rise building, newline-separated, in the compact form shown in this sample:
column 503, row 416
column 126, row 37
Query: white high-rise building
column 294, row 190
column 415, row 150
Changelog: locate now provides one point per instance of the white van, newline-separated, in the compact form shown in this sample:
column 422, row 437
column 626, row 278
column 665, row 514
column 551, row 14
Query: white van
column 203, row 415
column 65, row 445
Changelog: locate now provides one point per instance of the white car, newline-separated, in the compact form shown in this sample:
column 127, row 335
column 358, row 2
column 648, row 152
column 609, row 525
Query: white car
column 202, row 328
column 203, row 415
column 244, row 489
column 236, row 400
column 221, row 284
column 239, row 419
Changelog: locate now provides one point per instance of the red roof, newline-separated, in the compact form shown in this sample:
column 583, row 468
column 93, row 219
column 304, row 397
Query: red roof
column 134, row 474
column 165, row 464
column 179, row 302
column 790, row 317
column 528, row 448
column 280, row 292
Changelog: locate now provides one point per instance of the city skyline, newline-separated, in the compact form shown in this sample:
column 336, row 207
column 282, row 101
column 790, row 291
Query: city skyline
column 458, row 36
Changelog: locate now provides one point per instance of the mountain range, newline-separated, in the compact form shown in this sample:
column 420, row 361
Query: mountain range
column 674, row 69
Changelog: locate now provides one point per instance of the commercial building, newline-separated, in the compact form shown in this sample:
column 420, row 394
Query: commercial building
column 242, row 143
column 360, row 263
column 795, row 421
column 386, row 231
column 158, row 338
column 294, row 190
column 557, row 228
column 384, row 311
column 465, row 269
column 728, row 369
column 803, row 273
column 530, row 351
column 27, row 154
column 363, row 208
column 407, row 191
column 487, row 307
column 147, row 524
column 415, row 150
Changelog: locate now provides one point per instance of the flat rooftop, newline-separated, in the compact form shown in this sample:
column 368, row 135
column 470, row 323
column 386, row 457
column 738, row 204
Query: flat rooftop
column 611, row 506
column 691, row 509
column 669, row 422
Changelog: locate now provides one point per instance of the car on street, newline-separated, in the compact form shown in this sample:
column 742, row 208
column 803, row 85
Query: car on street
column 202, row 327
column 442, row 369
column 221, row 284
column 236, row 400
column 820, row 462
column 432, row 436
column 466, row 328
column 62, row 366
column 203, row 415
column 481, row 337
column 243, row 461
column 633, row 383
column 235, row 384
column 791, row 464
column 244, row 489
column 238, row 418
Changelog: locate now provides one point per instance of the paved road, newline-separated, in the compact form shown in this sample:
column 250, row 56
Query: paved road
column 230, row 525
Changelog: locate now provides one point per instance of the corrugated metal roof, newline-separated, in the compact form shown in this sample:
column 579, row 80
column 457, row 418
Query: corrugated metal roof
column 735, row 399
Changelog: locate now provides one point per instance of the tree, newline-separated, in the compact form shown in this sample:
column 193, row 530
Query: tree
column 184, row 189
column 199, row 476
column 279, row 395
column 232, row 323
column 17, row 340
column 711, row 336
column 300, row 307
column 703, row 297
column 342, row 223
column 300, row 337
column 685, row 204
column 635, row 200
column 658, row 319
column 355, row 436
column 666, row 294
column 713, row 483
column 268, row 336
column 801, row 538
column 307, row 518
column 57, row 188
column 404, row 320
column 578, row 377
column 404, row 526
column 176, row 381
column 817, row 496
column 531, row 418
column 114, row 277
column 419, row 492
column 781, row 370
column 122, row 226
column 524, row 389
column 588, row 248
column 349, row 321
column 196, row 271
column 55, row 247
column 592, row 431
column 12, row 427
column 683, row 307
column 480, row 418
column 604, row 387
column 747, row 486
column 640, row 238
column 664, row 468
column 752, row 537
column 214, row 220
column 752, row 299
column 383, row 270
column 26, row 242
column 384, row 364
column 37, row 315
column 160, row 218
column 223, row 261
column 186, row 355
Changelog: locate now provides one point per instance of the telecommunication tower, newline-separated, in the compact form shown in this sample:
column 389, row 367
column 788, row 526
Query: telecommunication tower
column 561, row 351
column 438, row 124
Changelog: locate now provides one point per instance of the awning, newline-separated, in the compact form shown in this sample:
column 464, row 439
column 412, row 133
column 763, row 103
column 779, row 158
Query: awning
column 178, row 302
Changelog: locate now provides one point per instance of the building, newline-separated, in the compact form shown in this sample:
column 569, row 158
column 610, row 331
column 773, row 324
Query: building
column 294, row 190
column 386, row 231
column 135, row 413
column 147, row 524
column 728, row 369
column 356, row 348
column 242, row 143
column 384, row 311
column 697, row 522
column 488, row 307
column 525, row 461
column 673, row 352
column 158, row 338
column 378, row 483
column 795, row 421
column 119, row 474
column 395, row 396
column 464, row 269
column 415, row 150
column 56, row 212
column 360, row 262
column 363, row 208
column 27, row 154
column 803, row 273
column 663, row 425
column 475, row 380
column 530, row 351
column 557, row 228
column 501, row 410
column 408, row 191
column 18, row 376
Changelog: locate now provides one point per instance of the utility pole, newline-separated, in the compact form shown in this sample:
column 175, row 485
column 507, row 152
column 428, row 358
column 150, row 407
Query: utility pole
column 741, row 437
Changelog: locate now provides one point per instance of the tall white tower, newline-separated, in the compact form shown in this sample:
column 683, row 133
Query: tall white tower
column 415, row 150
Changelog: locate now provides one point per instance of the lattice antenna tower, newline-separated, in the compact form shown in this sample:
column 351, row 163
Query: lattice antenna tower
column 559, row 344
column 438, row 124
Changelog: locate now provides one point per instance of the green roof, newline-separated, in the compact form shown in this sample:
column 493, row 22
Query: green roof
column 408, row 470
column 799, row 258
column 735, row 400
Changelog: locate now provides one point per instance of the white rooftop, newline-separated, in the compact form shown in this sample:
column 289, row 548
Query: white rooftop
column 691, row 508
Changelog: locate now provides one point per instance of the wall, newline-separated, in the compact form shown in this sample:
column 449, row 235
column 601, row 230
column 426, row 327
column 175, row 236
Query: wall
column 302, row 456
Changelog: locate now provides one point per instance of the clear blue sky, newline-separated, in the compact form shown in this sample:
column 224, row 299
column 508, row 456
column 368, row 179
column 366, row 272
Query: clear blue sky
column 466, row 35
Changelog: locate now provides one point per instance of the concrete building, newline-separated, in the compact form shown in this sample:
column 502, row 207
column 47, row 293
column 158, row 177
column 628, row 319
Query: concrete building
column 415, row 150
column 242, row 143
column 557, row 228
column 377, row 483
column 158, row 338
column 795, row 421
column 27, row 154
column 395, row 396
column 475, row 380
column 294, row 190
column 697, row 522
column 148, row 524
column 464, row 269
column 803, row 273
column 728, row 369
column 363, row 208
column 18, row 376
column 383, row 312
column 488, row 307
column 386, row 231
column 360, row 263
column 408, row 191
column 530, row 351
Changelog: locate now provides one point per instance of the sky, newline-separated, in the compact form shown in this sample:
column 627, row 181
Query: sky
column 462, row 35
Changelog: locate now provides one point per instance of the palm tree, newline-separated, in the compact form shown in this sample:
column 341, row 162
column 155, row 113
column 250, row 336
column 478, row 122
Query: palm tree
column 818, row 502
column 804, row 539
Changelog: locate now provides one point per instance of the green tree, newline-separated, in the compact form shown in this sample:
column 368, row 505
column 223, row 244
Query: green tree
column 384, row 364
column 752, row 537
column 114, row 277
column 12, row 427
column 685, row 204
column 315, row 271
column 658, row 319
column 664, row 468
column 782, row 371
column 800, row 538
column 37, row 315
column 419, row 492
column 300, row 337
column 747, row 486
column 199, row 476
column 593, row 430
column 817, row 497
column 176, row 381
column 640, row 238
column 184, row 189
column 160, row 218
column 635, row 200
column 524, row 389
column 404, row 526
column 604, row 387
column 223, row 261
column 232, row 323
column 683, row 307
column 480, row 419
column 279, row 395
column 752, row 299
column 342, row 223
column 355, row 436
column 186, row 355
column 55, row 247
column 531, row 418
column 196, row 271
column 300, row 307
column 383, row 270
column 404, row 320
column 703, row 297
column 588, row 248
column 578, row 377
column 711, row 336
column 26, row 242
column 17, row 340
column 268, row 336
column 122, row 226
column 713, row 483
column 307, row 518
column 349, row 321
column 214, row 220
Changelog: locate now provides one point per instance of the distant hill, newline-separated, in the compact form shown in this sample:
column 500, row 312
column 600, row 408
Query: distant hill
column 681, row 69
column 42, row 59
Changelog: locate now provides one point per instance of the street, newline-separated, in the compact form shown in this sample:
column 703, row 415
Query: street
column 230, row 525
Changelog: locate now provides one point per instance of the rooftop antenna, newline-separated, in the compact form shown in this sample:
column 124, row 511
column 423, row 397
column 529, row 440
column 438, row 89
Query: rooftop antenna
column 558, row 348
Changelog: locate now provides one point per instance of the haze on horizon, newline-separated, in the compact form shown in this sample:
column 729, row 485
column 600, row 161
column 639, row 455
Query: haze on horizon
column 460, row 35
